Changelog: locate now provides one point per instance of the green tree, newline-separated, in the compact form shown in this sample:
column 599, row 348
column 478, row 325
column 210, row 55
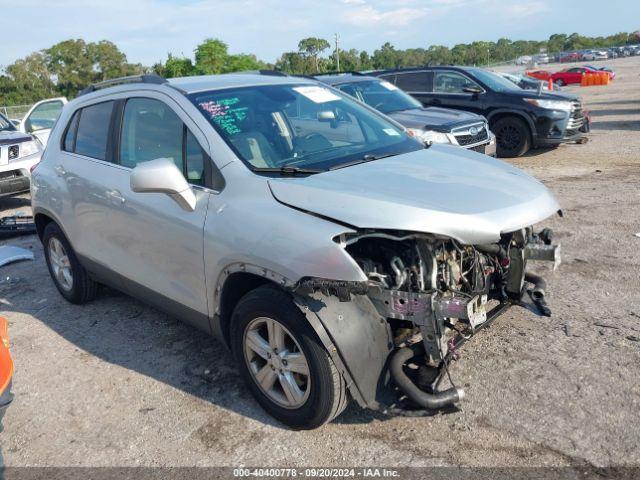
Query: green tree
column 242, row 62
column 365, row 61
column 107, row 59
column 291, row 62
column 439, row 55
column 70, row 62
column 312, row 47
column 385, row 57
column 27, row 81
column 177, row 67
column 211, row 56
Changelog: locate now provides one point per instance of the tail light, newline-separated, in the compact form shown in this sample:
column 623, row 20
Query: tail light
column 33, row 167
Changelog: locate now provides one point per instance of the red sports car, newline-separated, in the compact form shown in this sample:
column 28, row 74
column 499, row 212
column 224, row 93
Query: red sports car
column 543, row 75
column 574, row 75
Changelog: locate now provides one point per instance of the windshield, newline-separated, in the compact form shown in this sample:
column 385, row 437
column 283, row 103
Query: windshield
column 381, row 95
column 5, row 124
column 494, row 81
column 305, row 126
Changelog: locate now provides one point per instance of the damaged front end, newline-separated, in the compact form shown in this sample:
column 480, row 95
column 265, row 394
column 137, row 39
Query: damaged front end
column 433, row 294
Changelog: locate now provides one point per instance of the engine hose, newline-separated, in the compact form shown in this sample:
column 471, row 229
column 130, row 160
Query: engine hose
column 426, row 400
column 539, row 285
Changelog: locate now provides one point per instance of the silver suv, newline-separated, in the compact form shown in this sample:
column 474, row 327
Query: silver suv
column 336, row 256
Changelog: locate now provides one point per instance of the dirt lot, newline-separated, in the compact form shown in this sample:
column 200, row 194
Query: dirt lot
column 117, row 383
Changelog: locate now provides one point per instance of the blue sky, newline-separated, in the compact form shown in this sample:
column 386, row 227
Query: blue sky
column 147, row 30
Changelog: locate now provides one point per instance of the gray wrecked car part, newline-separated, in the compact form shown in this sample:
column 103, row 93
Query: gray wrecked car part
column 17, row 225
column 10, row 254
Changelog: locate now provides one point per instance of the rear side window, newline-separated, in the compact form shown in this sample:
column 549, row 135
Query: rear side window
column 70, row 137
column 92, row 133
column 415, row 81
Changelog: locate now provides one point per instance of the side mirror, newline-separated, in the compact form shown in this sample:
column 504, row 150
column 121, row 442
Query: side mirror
column 326, row 116
column 162, row 176
column 472, row 89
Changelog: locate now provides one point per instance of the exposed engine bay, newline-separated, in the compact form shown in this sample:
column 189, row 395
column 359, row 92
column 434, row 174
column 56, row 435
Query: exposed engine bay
column 436, row 293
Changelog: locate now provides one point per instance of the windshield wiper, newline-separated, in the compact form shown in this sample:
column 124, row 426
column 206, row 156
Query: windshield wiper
column 288, row 170
column 366, row 158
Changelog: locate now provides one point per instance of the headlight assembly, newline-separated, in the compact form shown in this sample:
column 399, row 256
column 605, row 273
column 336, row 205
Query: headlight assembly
column 550, row 104
column 431, row 136
column 29, row 148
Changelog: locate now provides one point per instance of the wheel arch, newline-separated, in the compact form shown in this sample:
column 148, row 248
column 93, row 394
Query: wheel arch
column 496, row 115
column 356, row 337
column 229, row 291
column 42, row 218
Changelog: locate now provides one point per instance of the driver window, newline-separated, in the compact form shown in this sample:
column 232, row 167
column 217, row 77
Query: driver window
column 452, row 82
column 151, row 130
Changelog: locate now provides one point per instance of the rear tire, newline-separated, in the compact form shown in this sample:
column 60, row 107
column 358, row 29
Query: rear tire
column 322, row 394
column 513, row 138
column 559, row 82
column 70, row 278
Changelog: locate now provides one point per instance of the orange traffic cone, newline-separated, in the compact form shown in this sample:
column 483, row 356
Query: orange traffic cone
column 583, row 80
column 550, row 85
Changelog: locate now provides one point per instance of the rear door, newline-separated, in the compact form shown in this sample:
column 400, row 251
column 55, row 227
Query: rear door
column 40, row 119
column 144, row 240
column 418, row 84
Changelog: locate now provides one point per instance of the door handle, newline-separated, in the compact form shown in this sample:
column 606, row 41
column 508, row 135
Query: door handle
column 116, row 195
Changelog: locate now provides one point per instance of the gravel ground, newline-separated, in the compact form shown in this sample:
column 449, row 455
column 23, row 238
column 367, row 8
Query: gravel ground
column 118, row 383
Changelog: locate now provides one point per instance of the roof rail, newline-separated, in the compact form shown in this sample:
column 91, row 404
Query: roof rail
column 350, row 72
column 151, row 78
column 275, row 73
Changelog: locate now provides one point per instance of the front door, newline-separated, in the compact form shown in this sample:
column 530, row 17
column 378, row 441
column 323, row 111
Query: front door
column 452, row 90
column 146, row 239
column 41, row 117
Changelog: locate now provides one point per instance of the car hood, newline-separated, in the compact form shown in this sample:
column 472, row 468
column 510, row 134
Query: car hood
column 434, row 118
column 13, row 136
column 443, row 190
column 547, row 95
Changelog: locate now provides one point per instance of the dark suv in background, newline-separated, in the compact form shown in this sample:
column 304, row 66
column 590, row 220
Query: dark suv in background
column 431, row 125
column 520, row 119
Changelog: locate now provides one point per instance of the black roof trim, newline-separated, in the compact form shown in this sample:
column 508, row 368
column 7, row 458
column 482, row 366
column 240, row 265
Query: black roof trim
column 150, row 78
column 419, row 69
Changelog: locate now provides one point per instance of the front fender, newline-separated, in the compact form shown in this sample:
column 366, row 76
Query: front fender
column 358, row 339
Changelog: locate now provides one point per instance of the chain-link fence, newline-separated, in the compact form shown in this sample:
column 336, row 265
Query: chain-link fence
column 15, row 111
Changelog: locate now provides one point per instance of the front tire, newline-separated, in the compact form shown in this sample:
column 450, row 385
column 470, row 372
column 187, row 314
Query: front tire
column 70, row 278
column 283, row 362
column 512, row 137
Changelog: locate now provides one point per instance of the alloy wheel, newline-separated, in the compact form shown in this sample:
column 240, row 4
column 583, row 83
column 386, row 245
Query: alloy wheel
column 60, row 264
column 276, row 362
column 509, row 137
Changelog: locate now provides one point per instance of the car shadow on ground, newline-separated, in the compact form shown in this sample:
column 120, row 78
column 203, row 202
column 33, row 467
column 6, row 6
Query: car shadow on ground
column 609, row 125
column 614, row 111
column 615, row 102
column 10, row 203
column 122, row 331
column 534, row 152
